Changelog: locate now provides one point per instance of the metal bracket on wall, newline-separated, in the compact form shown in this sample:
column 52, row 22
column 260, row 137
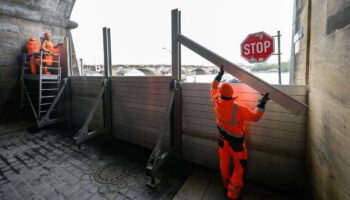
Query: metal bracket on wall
column 159, row 156
column 46, row 119
column 84, row 134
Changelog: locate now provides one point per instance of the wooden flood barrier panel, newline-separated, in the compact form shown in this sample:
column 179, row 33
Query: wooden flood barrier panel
column 84, row 90
column 276, row 144
column 138, row 107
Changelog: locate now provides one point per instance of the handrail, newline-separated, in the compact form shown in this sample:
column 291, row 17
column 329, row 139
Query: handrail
column 258, row 84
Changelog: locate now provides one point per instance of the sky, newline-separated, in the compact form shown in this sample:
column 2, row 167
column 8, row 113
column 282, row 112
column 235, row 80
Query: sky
column 141, row 30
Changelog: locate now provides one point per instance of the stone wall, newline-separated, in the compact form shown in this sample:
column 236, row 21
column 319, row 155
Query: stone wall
column 328, row 75
column 299, row 56
column 20, row 19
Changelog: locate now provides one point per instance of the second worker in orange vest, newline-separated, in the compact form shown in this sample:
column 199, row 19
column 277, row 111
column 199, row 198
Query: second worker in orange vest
column 33, row 50
column 230, row 117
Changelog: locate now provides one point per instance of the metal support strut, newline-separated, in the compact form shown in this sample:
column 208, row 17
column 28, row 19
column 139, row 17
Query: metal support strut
column 84, row 133
column 158, row 156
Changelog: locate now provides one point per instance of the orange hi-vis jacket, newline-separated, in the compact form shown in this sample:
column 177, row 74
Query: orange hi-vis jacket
column 33, row 47
column 230, row 115
column 48, row 45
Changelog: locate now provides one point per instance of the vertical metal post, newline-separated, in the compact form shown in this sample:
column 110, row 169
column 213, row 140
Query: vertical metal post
column 107, row 102
column 69, row 56
column 68, row 103
column 109, row 52
column 279, row 56
column 176, row 122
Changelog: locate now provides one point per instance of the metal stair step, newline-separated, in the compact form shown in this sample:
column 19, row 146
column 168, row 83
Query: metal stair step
column 50, row 81
column 44, row 97
column 45, row 104
column 44, row 111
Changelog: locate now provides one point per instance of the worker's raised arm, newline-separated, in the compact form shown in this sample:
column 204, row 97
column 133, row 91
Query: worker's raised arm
column 214, row 92
column 255, row 115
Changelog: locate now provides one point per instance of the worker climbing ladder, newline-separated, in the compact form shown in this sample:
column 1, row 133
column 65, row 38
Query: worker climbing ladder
column 42, row 88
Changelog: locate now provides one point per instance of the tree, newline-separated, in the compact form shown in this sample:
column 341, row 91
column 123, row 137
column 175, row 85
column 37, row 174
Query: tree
column 265, row 67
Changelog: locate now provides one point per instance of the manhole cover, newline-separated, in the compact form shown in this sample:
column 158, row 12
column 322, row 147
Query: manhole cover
column 110, row 173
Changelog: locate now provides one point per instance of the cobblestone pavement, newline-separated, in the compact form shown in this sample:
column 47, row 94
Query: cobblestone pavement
column 47, row 165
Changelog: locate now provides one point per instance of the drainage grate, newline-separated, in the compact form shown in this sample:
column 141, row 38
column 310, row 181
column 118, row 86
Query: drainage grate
column 110, row 173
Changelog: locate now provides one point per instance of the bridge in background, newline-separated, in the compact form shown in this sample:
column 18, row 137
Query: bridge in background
column 153, row 70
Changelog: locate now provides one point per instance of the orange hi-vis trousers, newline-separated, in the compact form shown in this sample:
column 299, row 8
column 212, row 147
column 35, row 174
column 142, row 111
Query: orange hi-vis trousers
column 228, row 154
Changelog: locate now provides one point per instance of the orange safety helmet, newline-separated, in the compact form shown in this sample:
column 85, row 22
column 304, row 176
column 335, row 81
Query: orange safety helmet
column 47, row 34
column 32, row 38
column 226, row 90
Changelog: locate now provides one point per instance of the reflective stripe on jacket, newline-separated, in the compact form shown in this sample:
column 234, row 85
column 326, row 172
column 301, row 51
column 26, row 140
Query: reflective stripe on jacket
column 230, row 115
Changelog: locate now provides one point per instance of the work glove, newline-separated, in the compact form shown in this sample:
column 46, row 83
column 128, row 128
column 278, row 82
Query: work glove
column 220, row 74
column 263, row 101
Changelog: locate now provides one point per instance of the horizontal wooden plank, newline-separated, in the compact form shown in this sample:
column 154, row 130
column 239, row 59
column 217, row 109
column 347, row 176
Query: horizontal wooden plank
column 143, row 136
column 273, row 107
column 150, row 91
column 198, row 124
column 282, row 148
column 139, row 84
column 204, row 97
column 122, row 110
column 279, row 125
column 156, row 97
column 142, row 106
column 140, row 127
column 144, row 79
column 204, row 152
column 244, row 88
column 152, row 102
column 273, row 133
column 268, row 115
column 157, row 124
column 86, row 78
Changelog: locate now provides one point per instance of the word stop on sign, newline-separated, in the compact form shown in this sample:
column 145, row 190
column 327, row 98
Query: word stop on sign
column 259, row 47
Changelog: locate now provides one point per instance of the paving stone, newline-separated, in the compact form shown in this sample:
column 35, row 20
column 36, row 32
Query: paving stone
column 62, row 187
column 102, row 189
column 97, row 197
column 71, row 190
column 58, row 198
column 79, row 194
column 25, row 190
column 121, row 197
column 93, row 189
column 36, row 197
column 11, row 195
column 51, row 194
column 112, row 195
column 131, row 194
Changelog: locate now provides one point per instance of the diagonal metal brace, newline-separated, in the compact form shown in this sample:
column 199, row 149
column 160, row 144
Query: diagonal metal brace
column 158, row 156
column 29, row 99
column 84, row 134
column 46, row 119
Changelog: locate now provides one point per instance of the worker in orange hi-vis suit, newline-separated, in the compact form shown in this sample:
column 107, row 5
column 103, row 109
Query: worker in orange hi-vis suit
column 230, row 117
column 33, row 50
column 49, row 49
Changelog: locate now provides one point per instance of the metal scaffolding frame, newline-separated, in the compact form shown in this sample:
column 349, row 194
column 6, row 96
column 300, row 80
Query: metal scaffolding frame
column 48, row 85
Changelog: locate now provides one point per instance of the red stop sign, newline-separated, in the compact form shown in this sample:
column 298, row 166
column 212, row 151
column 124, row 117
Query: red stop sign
column 257, row 47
